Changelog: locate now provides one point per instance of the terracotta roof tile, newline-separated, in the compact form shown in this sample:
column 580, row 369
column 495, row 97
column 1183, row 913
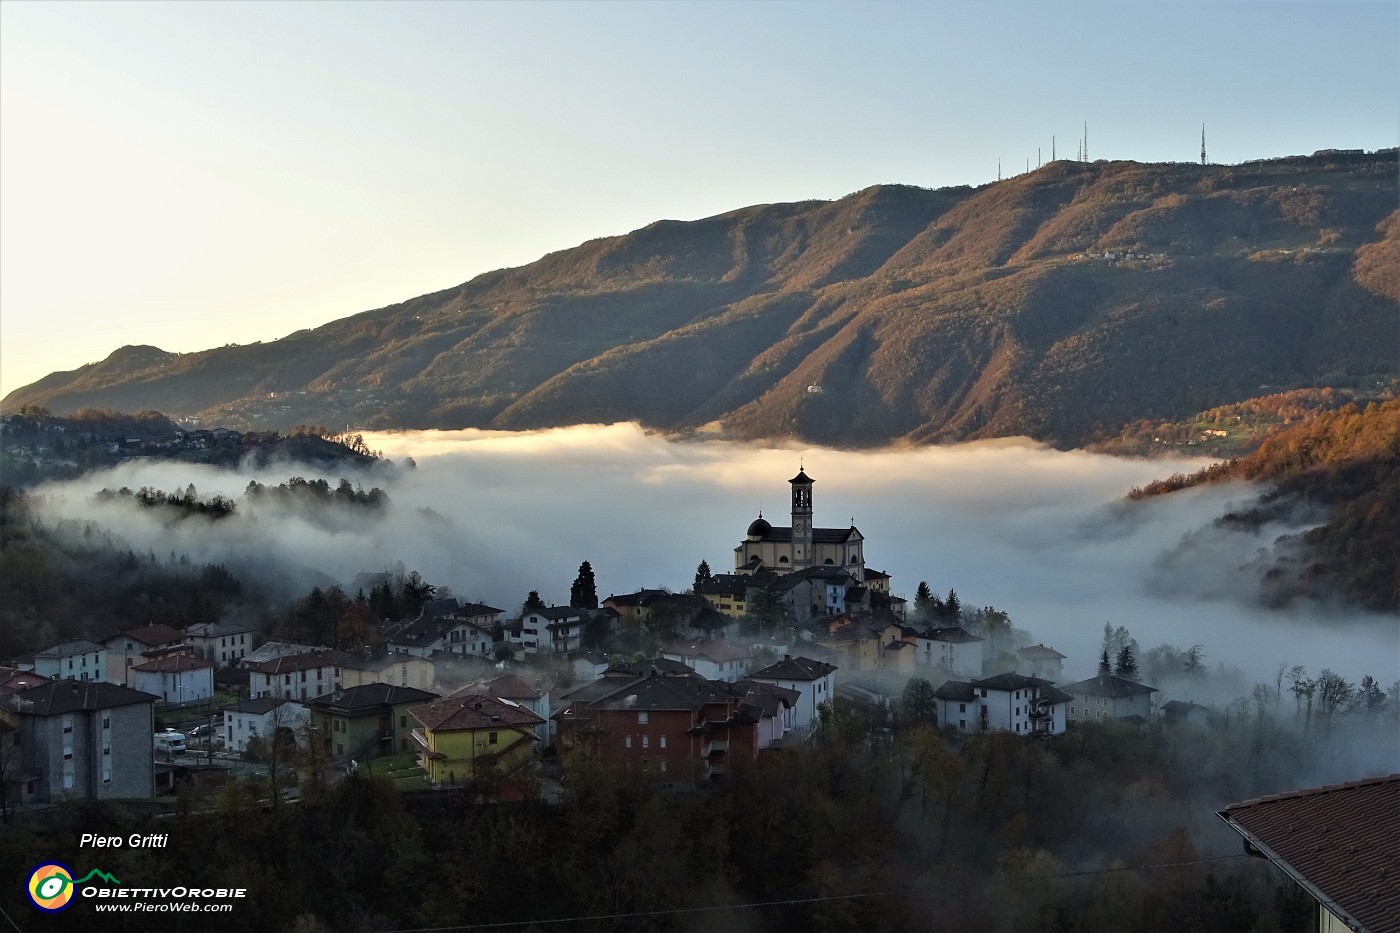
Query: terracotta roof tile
column 1340, row 842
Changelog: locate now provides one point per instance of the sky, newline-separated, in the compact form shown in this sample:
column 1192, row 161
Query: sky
column 191, row 175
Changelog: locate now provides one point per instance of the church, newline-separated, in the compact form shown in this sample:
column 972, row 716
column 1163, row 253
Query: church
column 800, row 546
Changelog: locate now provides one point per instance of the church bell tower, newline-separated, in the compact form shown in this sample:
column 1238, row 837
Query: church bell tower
column 801, row 520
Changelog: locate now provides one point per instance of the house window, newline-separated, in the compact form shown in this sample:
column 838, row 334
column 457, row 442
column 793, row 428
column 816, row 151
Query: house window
column 646, row 741
column 641, row 719
column 403, row 722
column 962, row 707
column 627, row 741
column 491, row 740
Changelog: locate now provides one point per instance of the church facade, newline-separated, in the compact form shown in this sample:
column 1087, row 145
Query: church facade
column 800, row 545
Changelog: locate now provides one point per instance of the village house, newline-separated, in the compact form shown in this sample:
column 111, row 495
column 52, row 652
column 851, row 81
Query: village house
column 396, row 667
column 466, row 630
column 653, row 716
column 1040, row 661
column 1340, row 843
column 473, row 735
column 774, row 705
column 15, row 679
column 262, row 717
column 1178, row 713
column 1007, row 702
column 72, row 660
column 136, row 646
column 556, row 629
column 861, row 641
column 298, row 676
column 590, row 666
column 534, row 695
column 1109, row 696
column 176, row 679
column 222, row 643
column 821, row 590
column 634, row 609
column 367, row 721
column 712, row 660
column 80, row 739
column 948, row 648
column 728, row 593
column 814, row 681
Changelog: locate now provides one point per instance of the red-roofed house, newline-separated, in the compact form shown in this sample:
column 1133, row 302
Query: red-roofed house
column 472, row 734
column 175, row 678
column 1340, row 843
column 300, row 676
column 136, row 646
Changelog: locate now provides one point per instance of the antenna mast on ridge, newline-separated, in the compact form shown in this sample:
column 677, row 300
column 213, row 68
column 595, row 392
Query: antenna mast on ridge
column 1086, row 140
column 1203, row 144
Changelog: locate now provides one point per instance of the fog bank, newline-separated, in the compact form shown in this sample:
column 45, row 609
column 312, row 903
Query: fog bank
column 1042, row 534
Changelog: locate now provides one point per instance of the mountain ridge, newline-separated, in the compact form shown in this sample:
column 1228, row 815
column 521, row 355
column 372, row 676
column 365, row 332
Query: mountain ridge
column 1061, row 304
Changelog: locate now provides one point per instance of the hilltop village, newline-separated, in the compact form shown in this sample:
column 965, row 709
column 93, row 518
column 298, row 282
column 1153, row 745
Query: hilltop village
column 788, row 728
column 464, row 694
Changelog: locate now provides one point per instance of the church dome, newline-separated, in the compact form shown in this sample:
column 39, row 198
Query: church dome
column 759, row 528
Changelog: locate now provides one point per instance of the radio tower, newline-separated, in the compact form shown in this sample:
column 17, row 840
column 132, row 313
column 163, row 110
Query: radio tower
column 1203, row 144
column 1052, row 148
column 1086, row 140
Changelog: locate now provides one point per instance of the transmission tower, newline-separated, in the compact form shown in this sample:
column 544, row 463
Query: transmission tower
column 1203, row 144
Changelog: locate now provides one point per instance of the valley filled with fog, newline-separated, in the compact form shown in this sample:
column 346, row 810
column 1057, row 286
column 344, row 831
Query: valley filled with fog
column 1042, row 534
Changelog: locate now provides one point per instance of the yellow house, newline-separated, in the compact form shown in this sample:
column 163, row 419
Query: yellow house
column 471, row 734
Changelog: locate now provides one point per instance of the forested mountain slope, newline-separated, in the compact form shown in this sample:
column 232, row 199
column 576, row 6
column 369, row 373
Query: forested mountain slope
column 1060, row 304
column 1347, row 461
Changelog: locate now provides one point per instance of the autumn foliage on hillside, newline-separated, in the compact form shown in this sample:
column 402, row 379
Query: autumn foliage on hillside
column 1349, row 461
column 1060, row 304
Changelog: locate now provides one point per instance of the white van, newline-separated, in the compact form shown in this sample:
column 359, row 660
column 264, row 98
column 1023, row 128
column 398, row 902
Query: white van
column 170, row 741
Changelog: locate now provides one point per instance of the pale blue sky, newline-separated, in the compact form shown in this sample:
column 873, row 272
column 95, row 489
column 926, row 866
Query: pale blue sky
column 188, row 175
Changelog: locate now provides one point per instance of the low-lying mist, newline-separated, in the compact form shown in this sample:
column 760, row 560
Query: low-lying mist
column 1040, row 533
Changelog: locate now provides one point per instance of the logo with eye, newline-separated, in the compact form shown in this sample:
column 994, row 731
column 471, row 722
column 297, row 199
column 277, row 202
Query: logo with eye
column 51, row 887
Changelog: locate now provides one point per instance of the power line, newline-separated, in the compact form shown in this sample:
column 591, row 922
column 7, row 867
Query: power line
column 506, row 924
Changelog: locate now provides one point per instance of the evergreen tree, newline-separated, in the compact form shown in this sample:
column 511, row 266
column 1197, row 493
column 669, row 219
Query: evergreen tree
column 584, row 593
column 533, row 603
column 923, row 600
column 952, row 608
column 416, row 592
column 770, row 608
column 1104, row 669
column 1127, row 664
column 702, row 576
